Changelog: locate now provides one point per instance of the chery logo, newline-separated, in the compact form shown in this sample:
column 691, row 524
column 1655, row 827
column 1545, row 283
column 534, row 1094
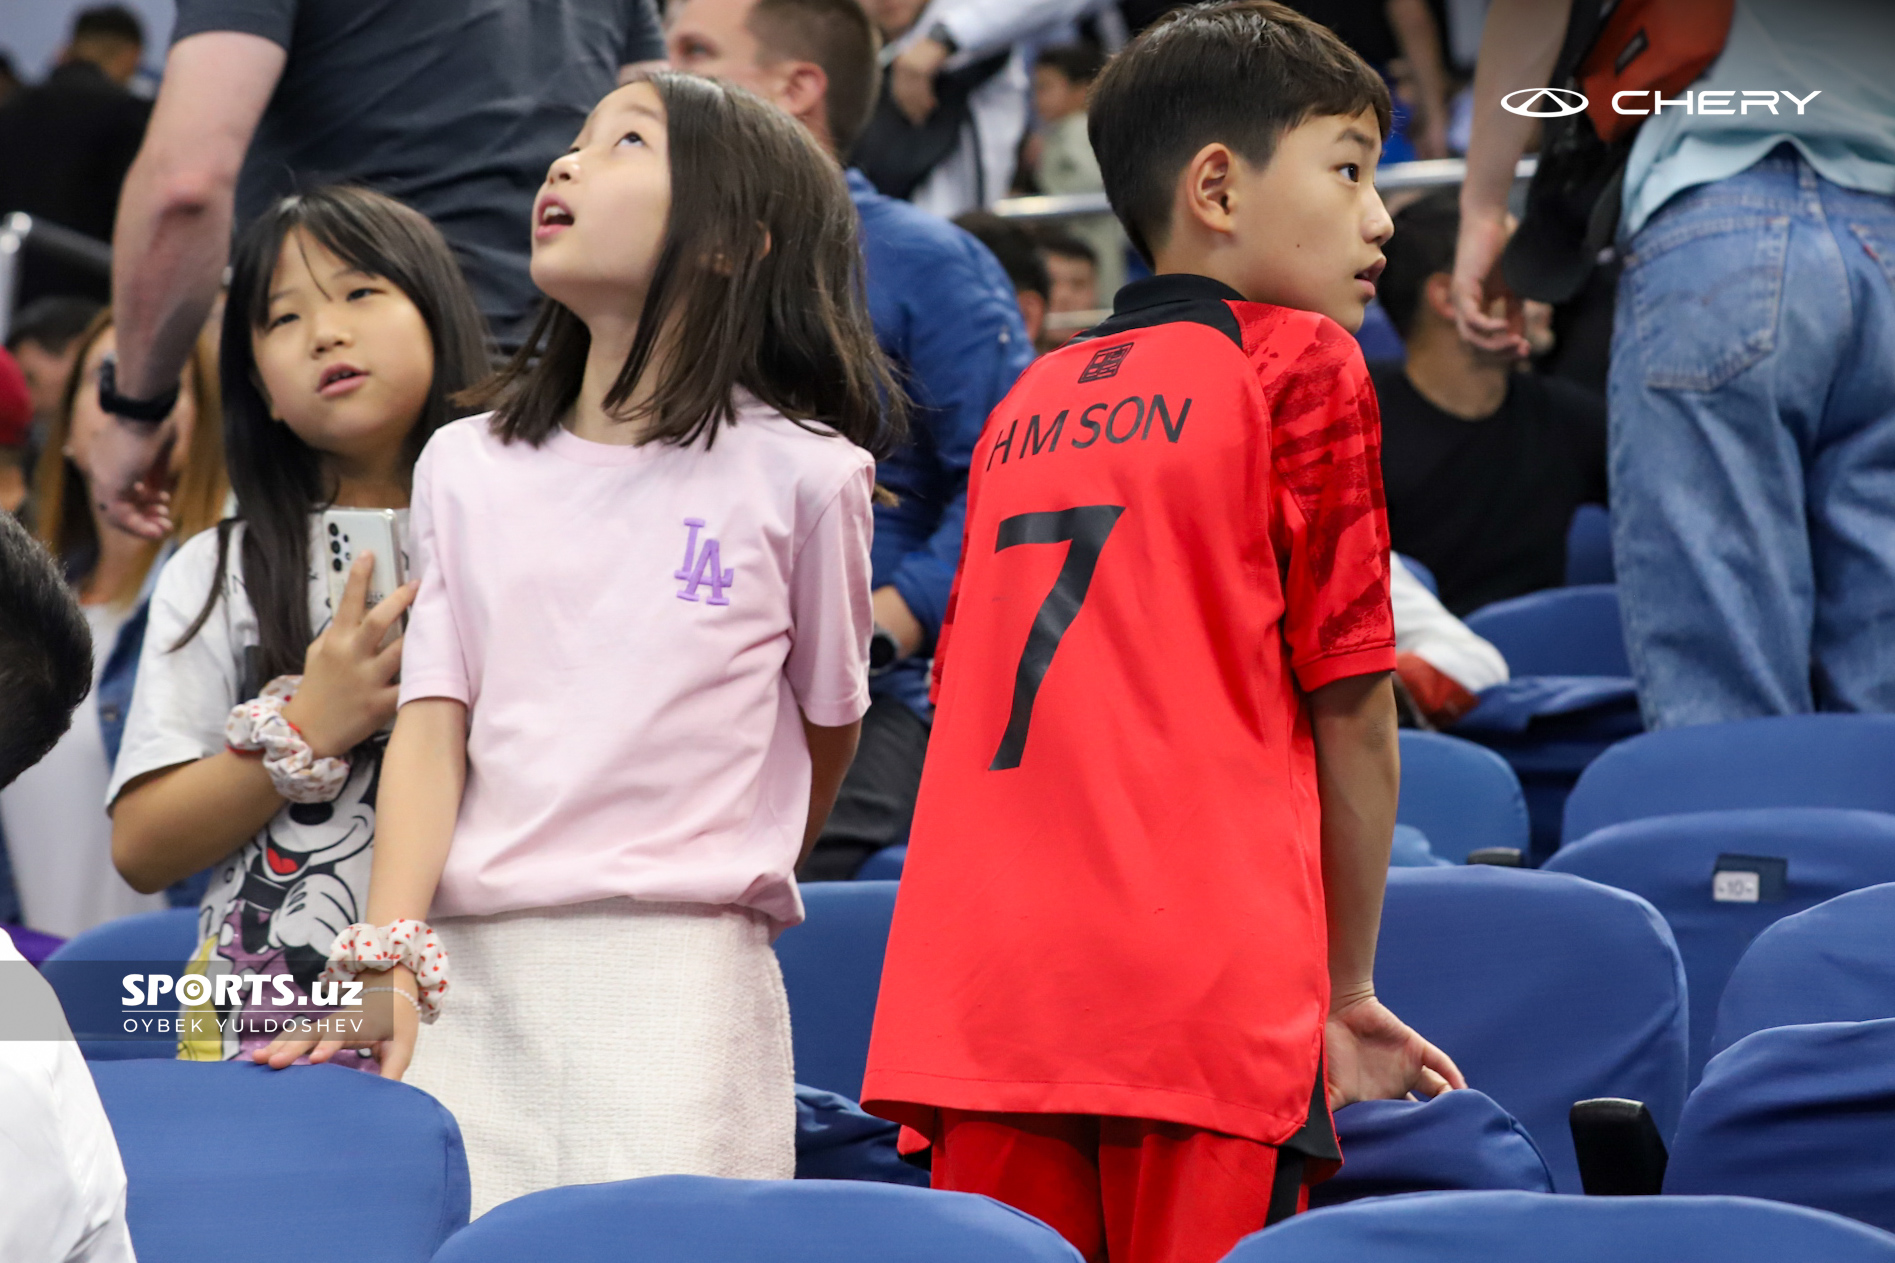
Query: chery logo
column 1560, row 102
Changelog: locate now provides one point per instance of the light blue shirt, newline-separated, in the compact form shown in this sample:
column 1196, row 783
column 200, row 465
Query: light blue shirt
column 1844, row 48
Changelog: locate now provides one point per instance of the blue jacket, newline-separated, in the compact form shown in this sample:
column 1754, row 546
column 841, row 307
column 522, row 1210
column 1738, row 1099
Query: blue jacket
column 946, row 314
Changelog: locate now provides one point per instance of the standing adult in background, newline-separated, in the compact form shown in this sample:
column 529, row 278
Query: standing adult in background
column 1752, row 384
column 455, row 107
column 953, row 107
column 66, row 144
column 945, row 313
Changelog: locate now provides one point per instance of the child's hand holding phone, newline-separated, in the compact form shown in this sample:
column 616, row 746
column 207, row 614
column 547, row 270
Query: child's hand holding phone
column 348, row 691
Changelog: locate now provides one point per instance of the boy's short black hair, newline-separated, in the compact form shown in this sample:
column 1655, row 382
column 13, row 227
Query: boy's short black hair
column 1055, row 240
column 1426, row 232
column 53, row 322
column 1019, row 257
column 1080, row 63
column 109, row 22
column 45, row 652
column 1238, row 71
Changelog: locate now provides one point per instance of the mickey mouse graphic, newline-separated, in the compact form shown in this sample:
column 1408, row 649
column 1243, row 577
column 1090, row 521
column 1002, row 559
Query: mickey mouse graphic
column 277, row 904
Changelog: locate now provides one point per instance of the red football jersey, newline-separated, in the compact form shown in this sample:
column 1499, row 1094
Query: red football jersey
column 1113, row 897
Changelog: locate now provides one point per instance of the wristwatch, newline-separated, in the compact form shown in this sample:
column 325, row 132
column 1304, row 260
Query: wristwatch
column 884, row 650
column 151, row 411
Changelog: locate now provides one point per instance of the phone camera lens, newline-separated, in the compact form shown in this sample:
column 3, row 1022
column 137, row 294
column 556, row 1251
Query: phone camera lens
column 337, row 563
column 335, row 547
column 334, row 529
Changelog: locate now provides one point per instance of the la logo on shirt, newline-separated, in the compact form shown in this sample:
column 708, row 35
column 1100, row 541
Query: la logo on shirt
column 703, row 567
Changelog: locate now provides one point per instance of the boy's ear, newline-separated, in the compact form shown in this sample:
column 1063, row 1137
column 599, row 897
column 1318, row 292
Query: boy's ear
column 1208, row 188
column 1437, row 294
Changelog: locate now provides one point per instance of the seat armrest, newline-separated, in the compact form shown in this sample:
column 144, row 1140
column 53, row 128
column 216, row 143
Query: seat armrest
column 1620, row 1151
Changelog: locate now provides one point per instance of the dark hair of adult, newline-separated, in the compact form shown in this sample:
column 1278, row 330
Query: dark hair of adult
column 45, row 652
column 1055, row 240
column 1425, row 234
column 836, row 35
column 278, row 478
column 758, row 280
column 108, row 22
column 1079, row 63
column 1014, row 247
column 1242, row 73
column 52, row 322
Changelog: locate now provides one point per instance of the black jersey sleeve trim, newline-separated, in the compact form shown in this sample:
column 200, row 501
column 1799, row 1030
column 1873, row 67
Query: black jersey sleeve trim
column 1167, row 299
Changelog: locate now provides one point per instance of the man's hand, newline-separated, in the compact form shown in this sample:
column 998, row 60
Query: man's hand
column 1487, row 312
column 911, row 78
column 893, row 613
column 1372, row 1055
column 131, row 476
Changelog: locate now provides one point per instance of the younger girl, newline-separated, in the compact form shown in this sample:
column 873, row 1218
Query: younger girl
column 58, row 835
column 638, row 661
column 347, row 328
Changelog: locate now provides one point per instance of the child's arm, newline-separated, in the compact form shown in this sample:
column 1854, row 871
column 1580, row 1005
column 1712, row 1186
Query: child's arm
column 831, row 750
column 1369, row 1053
column 174, row 821
column 423, row 775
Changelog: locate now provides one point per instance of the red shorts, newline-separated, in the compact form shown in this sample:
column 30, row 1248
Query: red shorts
column 1127, row 1189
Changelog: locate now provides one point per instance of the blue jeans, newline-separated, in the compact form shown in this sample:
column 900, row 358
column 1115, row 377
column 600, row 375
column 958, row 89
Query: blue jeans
column 1752, row 397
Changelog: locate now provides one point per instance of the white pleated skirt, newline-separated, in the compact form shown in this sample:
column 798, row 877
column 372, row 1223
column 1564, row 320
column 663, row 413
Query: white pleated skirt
column 612, row 1040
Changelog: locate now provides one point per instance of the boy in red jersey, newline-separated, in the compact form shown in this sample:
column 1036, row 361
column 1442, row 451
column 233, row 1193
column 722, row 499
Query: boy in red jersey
column 1131, row 967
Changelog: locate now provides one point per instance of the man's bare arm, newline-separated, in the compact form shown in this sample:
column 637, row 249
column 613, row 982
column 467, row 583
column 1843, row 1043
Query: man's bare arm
column 173, row 238
column 1519, row 46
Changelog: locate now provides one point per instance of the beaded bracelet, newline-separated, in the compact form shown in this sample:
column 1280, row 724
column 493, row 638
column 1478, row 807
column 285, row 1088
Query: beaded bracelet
column 378, row 948
column 294, row 768
column 398, row 991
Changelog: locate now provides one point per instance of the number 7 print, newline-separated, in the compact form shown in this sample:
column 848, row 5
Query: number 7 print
column 1086, row 527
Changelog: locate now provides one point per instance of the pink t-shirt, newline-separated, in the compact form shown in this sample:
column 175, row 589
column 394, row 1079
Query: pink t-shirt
column 633, row 630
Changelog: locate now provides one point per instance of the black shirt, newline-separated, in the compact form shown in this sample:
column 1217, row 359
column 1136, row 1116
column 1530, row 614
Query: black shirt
column 1485, row 504
column 65, row 146
column 455, row 107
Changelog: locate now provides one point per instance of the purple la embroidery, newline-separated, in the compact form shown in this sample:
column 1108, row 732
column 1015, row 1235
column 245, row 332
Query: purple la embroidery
column 702, row 566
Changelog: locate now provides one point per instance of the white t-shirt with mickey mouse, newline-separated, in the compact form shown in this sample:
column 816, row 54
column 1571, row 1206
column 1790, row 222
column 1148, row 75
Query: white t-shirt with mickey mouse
column 275, row 904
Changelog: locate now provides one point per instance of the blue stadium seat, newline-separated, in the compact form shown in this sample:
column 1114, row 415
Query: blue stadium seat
column 1517, row 1227
column 832, row 968
column 697, row 1219
column 1546, row 989
column 1832, row 963
column 1808, row 854
column 837, row 1140
column 885, row 865
column 1459, row 1140
column 84, row 975
column 1589, row 546
column 1802, row 1114
column 1787, row 761
column 1562, row 631
column 1421, row 572
column 228, row 1162
column 1461, row 795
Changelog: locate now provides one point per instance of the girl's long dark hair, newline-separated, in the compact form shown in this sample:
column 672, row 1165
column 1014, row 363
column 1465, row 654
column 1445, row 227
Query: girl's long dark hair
column 759, row 281
column 278, row 478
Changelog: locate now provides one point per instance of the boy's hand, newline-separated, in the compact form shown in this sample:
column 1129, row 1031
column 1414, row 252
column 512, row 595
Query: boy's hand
column 1372, row 1055
column 348, row 691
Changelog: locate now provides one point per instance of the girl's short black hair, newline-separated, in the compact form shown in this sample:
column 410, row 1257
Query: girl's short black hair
column 278, row 479
column 1238, row 71
column 759, row 278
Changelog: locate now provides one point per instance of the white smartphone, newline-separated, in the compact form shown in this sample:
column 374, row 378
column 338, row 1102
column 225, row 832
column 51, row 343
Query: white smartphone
column 346, row 535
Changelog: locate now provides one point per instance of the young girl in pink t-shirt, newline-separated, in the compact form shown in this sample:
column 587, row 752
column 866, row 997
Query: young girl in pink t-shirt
column 636, row 667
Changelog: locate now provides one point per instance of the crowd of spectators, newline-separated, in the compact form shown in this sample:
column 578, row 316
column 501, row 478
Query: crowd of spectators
column 1739, row 431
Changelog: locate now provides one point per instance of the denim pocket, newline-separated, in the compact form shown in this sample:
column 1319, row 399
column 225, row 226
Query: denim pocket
column 1878, row 240
column 1705, row 291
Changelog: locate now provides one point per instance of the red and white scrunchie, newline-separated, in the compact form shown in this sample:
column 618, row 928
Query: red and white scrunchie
column 294, row 768
column 379, row 948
